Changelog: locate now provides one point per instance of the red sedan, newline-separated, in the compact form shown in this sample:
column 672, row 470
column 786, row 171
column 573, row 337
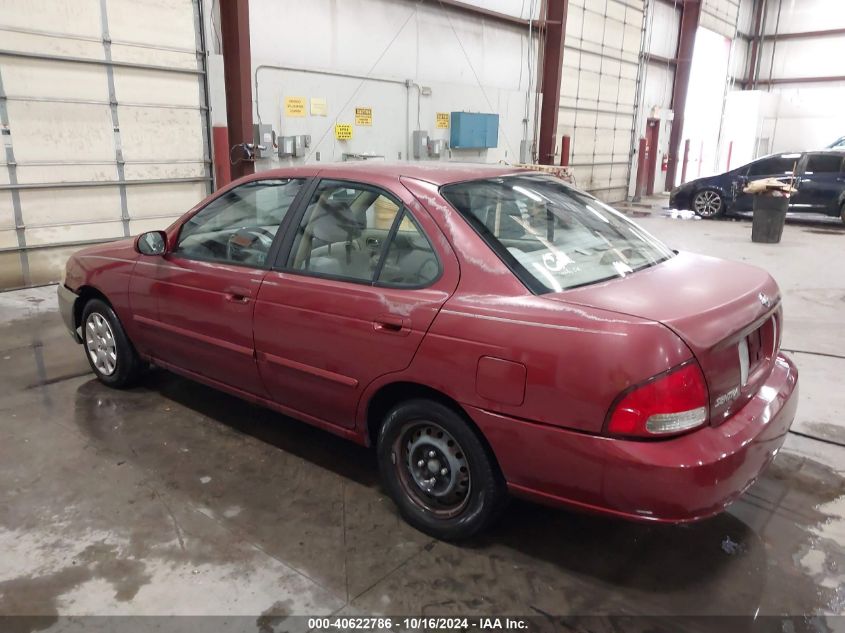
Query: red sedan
column 487, row 329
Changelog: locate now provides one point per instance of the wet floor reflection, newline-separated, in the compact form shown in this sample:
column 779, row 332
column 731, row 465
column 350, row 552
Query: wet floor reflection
column 313, row 501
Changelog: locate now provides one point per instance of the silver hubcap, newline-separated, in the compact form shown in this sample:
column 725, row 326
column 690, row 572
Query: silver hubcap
column 707, row 204
column 99, row 341
column 433, row 468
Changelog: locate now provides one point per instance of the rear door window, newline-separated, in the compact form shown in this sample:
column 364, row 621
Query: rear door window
column 823, row 164
column 774, row 165
column 360, row 233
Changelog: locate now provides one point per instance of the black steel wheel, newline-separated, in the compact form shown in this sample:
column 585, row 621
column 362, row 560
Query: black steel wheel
column 438, row 471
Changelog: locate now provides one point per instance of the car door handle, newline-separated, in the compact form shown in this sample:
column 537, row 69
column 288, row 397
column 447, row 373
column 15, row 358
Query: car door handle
column 238, row 295
column 391, row 324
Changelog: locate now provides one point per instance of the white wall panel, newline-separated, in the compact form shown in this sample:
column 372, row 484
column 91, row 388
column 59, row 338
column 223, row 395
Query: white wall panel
column 87, row 48
column 76, row 232
column 77, row 18
column 37, row 78
column 96, row 122
column 8, row 238
column 157, row 23
column 720, row 16
column 166, row 199
column 72, row 131
column 404, row 40
column 81, row 204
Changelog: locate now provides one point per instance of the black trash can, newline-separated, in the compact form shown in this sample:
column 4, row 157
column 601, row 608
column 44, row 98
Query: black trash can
column 769, row 217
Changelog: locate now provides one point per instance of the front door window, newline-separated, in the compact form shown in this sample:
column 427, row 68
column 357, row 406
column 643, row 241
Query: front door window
column 239, row 226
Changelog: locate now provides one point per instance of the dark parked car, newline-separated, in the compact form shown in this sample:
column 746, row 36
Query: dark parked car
column 819, row 178
column 487, row 329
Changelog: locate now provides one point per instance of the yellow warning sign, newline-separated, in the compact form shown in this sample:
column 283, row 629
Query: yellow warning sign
column 442, row 121
column 343, row 131
column 363, row 116
column 294, row 106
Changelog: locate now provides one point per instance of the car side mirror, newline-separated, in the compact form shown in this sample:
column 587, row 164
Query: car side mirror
column 151, row 243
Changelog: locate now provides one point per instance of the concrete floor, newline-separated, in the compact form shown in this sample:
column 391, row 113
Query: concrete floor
column 172, row 498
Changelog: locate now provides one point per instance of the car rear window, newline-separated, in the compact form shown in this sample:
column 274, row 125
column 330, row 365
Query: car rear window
column 552, row 236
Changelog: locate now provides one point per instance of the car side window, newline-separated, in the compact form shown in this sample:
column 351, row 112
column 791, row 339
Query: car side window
column 410, row 260
column 823, row 164
column 774, row 165
column 239, row 226
column 343, row 231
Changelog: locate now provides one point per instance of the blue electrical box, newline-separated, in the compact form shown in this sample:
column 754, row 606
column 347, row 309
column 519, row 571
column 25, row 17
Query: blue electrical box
column 474, row 130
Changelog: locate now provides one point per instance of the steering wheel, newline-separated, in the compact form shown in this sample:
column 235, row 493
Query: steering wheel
column 253, row 238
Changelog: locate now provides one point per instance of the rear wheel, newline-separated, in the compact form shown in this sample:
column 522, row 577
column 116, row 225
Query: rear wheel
column 437, row 471
column 708, row 203
column 107, row 348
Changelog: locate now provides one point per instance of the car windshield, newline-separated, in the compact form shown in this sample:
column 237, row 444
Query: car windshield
column 552, row 236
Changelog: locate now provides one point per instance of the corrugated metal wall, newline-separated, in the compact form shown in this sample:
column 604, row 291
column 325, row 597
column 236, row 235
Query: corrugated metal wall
column 599, row 91
column 104, row 125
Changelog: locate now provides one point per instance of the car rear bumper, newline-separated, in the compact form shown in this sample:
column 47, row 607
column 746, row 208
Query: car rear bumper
column 67, row 303
column 676, row 480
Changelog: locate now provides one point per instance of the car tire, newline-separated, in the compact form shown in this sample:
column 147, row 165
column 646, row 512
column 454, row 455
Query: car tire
column 107, row 348
column 708, row 203
column 425, row 444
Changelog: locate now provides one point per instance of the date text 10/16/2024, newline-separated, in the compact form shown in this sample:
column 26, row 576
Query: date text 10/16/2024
column 416, row 623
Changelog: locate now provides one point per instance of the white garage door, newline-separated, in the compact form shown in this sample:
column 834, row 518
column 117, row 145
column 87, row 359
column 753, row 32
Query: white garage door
column 104, row 125
column 598, row 101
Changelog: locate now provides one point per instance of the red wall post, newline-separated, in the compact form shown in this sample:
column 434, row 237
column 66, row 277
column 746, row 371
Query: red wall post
column 555, row 31
column 565, row 146
column 642, row 161
column 690, row 12
column 237, row 74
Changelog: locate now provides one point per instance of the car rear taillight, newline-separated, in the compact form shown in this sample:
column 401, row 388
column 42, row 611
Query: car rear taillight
column 668, row 404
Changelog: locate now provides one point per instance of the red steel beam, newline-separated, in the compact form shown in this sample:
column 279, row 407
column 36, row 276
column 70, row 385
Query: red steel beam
column 659, row 59
column 486, row 13
column 804, row 35
column 686, row 42
column 237, row 75
column 753, row 56
column 800, row 80
column 555, row 32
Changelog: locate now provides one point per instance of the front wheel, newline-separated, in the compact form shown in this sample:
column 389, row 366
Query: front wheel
column 437, row 470
column 107, row 348
column 708, row 203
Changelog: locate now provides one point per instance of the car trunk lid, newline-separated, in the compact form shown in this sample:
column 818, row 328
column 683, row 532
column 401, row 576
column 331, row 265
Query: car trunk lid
column 728, row 313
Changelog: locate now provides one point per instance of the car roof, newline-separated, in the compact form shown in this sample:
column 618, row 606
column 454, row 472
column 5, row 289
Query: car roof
column 437, row 173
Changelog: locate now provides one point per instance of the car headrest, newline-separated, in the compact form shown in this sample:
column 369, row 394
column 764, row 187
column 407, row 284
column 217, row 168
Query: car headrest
column 331, row 222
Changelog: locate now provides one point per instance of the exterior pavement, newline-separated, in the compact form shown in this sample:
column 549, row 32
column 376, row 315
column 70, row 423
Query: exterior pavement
column 172, row 498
